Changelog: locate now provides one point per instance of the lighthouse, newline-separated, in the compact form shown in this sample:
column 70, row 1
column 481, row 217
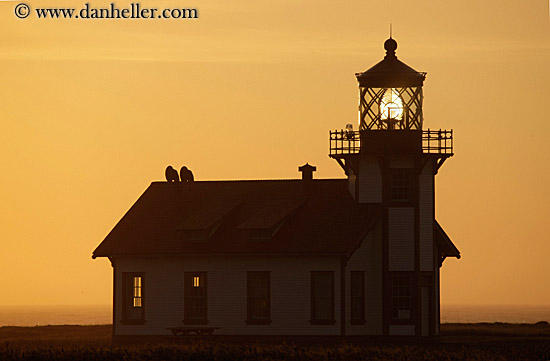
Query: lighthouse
column 392, row 161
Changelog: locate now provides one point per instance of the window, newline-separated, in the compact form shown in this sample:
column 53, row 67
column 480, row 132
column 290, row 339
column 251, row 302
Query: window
column 322, row 298
column 195, row 298
column 258, row 301
column 196, row 235
column 401, row 297
column 260, row 234
column 357, row 297
column 400, row 187
column 133, row 311
column 137, row 292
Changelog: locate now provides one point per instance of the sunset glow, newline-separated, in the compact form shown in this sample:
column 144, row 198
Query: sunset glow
column 93, row 110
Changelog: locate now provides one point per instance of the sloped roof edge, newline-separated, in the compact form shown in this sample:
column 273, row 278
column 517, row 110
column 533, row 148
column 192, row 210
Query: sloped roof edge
column 444, row 242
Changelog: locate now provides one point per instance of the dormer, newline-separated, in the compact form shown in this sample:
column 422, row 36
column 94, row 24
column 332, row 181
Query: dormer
column 264, row 224
column 201, row 225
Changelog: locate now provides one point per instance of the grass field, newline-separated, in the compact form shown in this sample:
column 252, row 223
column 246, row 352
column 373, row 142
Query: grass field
column 494, row 341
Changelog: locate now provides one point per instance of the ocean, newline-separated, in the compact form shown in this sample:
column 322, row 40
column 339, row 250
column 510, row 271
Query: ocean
column 55, row 315
column 494, row 313
column 102, row 314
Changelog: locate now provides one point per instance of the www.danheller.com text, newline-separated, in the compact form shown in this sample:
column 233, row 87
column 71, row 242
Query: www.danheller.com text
column 133, row 11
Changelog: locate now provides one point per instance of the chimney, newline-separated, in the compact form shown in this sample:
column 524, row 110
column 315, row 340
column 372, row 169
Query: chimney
column 307, row 172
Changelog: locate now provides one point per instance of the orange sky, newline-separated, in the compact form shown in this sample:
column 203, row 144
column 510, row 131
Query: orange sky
column 93, row 111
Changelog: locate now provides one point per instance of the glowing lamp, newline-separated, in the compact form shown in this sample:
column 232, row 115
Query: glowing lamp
column 391, row 106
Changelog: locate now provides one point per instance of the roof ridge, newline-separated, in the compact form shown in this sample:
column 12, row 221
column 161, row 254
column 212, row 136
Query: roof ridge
column 258, row 180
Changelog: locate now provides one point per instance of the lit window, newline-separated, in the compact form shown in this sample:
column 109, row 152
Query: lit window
column 195, row 298
column 133, row 311
column 137, row 291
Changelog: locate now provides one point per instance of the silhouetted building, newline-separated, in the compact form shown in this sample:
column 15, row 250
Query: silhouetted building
column 353, row 256
column 392, row 162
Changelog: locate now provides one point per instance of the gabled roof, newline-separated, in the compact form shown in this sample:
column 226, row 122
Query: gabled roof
column 209, row 215
column 317, row 217
column 272, row 213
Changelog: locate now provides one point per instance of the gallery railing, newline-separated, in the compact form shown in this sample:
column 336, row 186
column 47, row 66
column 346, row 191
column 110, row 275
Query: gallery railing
column 343, row 142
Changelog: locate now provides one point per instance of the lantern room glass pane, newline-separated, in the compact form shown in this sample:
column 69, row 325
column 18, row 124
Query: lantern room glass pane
column 391, row 106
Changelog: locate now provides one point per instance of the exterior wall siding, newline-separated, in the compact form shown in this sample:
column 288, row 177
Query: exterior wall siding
column 437, row 299
column 370, row 180
column 402, row 330
column 402, row 162
column 367, row 258
column 401, row 238
column 227, row 293
column 352, row 179
column 426, row 209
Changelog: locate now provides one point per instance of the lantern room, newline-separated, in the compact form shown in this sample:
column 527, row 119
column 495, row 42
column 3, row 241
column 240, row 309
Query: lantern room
column 390, row 117
column 390, row 94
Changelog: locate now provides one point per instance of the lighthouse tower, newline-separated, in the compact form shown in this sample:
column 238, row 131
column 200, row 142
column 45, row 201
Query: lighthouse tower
column 392, row 161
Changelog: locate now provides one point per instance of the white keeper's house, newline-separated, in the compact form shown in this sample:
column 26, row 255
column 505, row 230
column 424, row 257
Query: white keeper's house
column 360, row 255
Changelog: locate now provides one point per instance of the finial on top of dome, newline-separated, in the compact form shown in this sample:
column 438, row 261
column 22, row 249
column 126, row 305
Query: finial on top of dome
column 390, row 45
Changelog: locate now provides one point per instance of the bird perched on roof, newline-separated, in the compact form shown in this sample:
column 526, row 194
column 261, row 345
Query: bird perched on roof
column 186, row 175
column 171, row 174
